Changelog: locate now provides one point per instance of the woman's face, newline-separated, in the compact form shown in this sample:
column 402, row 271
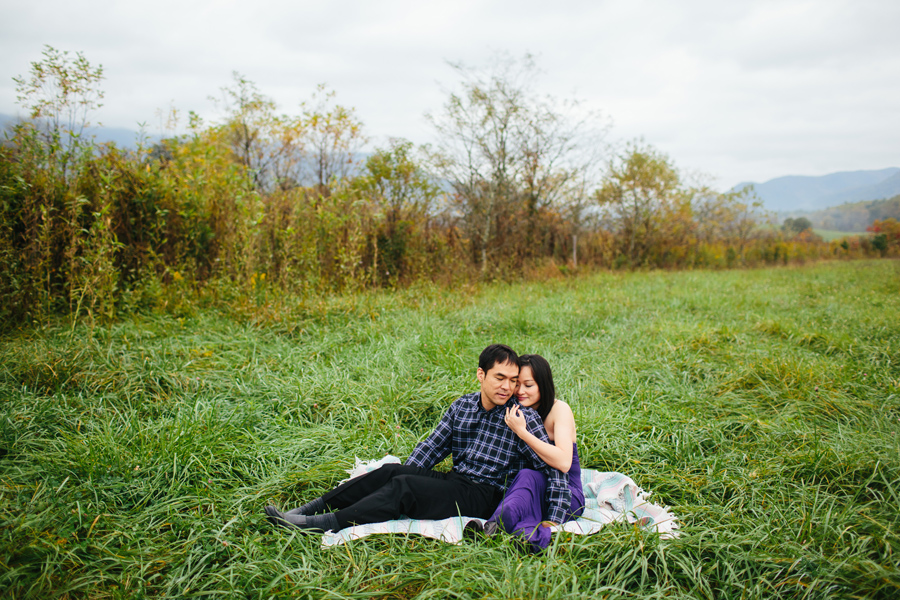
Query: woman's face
column 527, row 392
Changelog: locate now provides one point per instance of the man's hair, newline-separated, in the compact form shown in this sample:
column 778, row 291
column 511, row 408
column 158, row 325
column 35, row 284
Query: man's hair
column 543, row 377
column 496, row 354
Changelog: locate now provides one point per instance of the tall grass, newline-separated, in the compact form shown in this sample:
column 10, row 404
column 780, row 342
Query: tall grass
column 763, row 406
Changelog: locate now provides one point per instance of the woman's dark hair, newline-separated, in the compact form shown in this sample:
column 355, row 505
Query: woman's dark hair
column 543, row 377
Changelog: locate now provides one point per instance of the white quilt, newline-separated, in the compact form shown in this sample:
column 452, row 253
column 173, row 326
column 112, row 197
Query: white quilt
column 609, row 497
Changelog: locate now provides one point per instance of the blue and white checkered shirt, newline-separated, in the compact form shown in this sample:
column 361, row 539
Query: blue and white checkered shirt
column 486, row 450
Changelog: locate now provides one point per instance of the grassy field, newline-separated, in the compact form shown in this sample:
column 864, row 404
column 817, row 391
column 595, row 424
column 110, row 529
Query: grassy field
column 763, row 406
column 830, row 235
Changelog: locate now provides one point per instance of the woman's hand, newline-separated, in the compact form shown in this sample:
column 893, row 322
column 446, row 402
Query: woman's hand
column 516, row 421
column 549, row 524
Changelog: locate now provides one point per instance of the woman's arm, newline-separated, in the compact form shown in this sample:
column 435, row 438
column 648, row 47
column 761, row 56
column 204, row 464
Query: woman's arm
column 558, row 454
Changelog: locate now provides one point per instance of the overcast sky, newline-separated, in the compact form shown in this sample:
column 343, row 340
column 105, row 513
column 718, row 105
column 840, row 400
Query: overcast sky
column 743, row 91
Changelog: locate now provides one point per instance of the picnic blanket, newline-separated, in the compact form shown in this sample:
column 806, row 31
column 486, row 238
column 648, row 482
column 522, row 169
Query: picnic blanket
column 609, row 497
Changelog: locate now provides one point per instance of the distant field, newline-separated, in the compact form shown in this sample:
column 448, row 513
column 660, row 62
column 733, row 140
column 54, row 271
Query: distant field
column 763, row 406
column 829, row 235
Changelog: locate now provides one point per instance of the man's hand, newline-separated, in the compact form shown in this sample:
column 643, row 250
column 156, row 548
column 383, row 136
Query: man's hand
column 516, row 421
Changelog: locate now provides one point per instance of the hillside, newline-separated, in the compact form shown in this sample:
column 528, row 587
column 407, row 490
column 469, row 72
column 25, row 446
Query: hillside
column 855, row 216
column 806, row 193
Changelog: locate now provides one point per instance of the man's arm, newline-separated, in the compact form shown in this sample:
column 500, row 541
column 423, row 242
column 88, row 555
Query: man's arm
column 559, row 497
column 437, row 446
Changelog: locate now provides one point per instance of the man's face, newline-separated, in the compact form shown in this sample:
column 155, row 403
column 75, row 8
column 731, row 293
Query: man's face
column 498, row 384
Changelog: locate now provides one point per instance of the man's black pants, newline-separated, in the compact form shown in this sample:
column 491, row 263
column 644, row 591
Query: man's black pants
column 395, row 490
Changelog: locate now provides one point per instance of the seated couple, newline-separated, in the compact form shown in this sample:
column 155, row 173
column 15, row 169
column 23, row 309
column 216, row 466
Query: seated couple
column 506, row 468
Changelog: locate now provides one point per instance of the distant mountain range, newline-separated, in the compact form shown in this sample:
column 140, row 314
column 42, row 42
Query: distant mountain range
column 120, row 136
column 802, row 193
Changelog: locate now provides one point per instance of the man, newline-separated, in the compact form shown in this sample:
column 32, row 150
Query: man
column 486, row 456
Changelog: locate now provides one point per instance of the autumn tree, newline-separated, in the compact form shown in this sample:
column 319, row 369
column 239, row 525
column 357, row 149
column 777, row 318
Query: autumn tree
column 508, row 152
column 402, row 194
column 886, row 235
column 395, row 180
column 57, row 241
column 730, row 217
column 60, row 95
column 795, row 226
column 640, row 188
column 577, row 204
column 270, row 146
column 333, row 135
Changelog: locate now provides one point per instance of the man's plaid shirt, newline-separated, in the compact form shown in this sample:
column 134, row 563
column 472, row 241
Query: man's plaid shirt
column 486, row 450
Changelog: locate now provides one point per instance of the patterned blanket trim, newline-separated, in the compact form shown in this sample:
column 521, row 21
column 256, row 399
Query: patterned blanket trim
column 609, row 497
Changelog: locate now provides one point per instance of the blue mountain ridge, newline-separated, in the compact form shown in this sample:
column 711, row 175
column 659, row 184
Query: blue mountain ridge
column 805, row 193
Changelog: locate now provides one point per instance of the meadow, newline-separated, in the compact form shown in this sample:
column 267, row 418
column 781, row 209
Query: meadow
column 762, row 406
column 829, row 235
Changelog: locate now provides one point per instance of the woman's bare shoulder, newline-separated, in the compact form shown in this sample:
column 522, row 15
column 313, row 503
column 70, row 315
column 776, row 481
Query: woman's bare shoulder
column 560, row 412
column 560, row 419
column 560, row 407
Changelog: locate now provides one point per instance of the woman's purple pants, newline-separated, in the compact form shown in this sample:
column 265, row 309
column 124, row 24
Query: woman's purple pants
column 520, row 512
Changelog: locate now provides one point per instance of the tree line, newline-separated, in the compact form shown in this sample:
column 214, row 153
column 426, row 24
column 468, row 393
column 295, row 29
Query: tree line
column 516, row 185
column 854, row 217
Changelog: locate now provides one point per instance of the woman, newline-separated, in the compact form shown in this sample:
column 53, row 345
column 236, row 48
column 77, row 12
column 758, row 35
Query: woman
column 521, row 511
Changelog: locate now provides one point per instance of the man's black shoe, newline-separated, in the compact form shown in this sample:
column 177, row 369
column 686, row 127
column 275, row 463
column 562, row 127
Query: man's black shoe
column 276, row 517
column 308, row 523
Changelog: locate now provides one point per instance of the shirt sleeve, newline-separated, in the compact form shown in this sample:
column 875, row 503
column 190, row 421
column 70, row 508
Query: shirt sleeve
column 437, row 446
column 559, row 497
